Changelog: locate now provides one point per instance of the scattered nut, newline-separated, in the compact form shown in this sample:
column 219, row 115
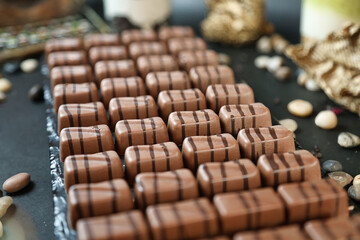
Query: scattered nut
column 342, row 178
column 16, row 182
column 356, row 180
column 348, row 140
column 279, row 43
column 5, row 85
column 274, row 63
column 1, row 229
column 263, row 45
column 302, row 78
column 326, row 120
column 332, row 166
column 36, row 93
column 283, row 73
column 351, row 208
column 311, row 85
column 261, row 61
column 29, row 65
column 300, row 108
column 2, row 97
column 5, row 203
column 354, row 192
column 224, row 59
column 289, row 124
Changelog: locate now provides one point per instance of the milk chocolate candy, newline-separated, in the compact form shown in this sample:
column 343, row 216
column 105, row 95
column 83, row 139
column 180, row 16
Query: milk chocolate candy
column 64, row 44
column 121, row 87
column 81, row 115
column 68, row 58
column 138, row 35
column 188, row 219
column 279, row 168
column 255, row 142
column 233, row 118
column 180, row 100
column 203, row 149
column 193, row 123
column 154, row 188
column 138, row 49
column 231, row 176
column 107, row 53
column 130, row 225
column 101, row 39
column 189, row 59
column 177, row 45
column 135, row 132
column 203, row 76
column 155, row 63
column 97, row 199
column 131, row 108
column 159, row 81
column 85, row 140
column 218, row 95
column 70, row 74
column 167, row 32
column 92, row 168
column 74, row 93
column 314, row 199
column 114, row 69
column 152, row 158
column 293, row 232
column 258, row 208
column 215, row 238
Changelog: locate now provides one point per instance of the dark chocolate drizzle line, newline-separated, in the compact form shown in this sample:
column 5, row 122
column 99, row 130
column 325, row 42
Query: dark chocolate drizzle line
column 69, row 138
column 78, row 108
column 78, row 207
column 198, row 74
column 271, row 159
column 135, row 99
column 143, row 195
column 171, row 100
column 127, row 87
column 225, row 91
column 252, row 141
column 211, row 146
column 152, row 156
column 242, row 114
column 211, row 185
column 153, row 126
column 138, row 82
column 327, row 230
column 143, row 127
column 137, row 158
column 216, row 96
column 262, row 139
column 226, row 146
column 238, row 93
column 150, row 64
column 313, row 186
column 75, row 167
column 275, row 138
column 88, row 230
column 74, row 88
column 96, row 111
column 197, row 99
column 209, row 78
column 307, row 204
column 127, row 125
column 277, row 235
column 170, row 81
column 247, row 208
column 300, row 162
column 185, row 82
column 109, row 227
column 253, row 115
column 118, row 104
column 193, row 146
column 179, row 220
column 335, row 191
column 71, row 75
column 223, row 175
column 161, row 223
column 70, row 117
column 98, row 135
column 156, row 191
column 184, row 99
column 287, row 166
column 162, row 65
column 146, row 100
column 258, row 212
column 107, row 72
column 108, row 162
column 63, row 81
column 219, row 79
column 205, row 216
column 197, row 124
column 244, row 172
column 64, row 94
column 179, row 183
column 114, row 198
column 81, row 138
column 117, row 69
column 89, row 199
column 182, row 124
column 133, row 226
column 157, row 83
column 167, row 155
column 90, row 94
column 207, row 117
column 113, row 88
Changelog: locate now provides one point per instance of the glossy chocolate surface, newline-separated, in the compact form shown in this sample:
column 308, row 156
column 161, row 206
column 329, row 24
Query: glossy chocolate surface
column 138, row 35
column 293, row 232
column 155, row 63
column 137, row 49
column 101, row 39
column 66, row 58
column 70, row 74
column 177, row 45
column 114, row 69
column 189, row 59
column 64, row 44
column 167, row 32
column 106, row 53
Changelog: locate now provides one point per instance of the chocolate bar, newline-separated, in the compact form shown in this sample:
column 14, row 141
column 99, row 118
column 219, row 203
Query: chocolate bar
column 160, row 157
column 177, row 45
column 131, row 108
column 155, row 63
column 233, row 118
column 193, row 123
column 314, row 199
column 97, row 199
column 159, row 81
column 218, row 95
column 203, row 76
column 258, row 208
column 70, row 74
column 203, row 149
column 188, row 219
column 138, row 35
column 255, row 142
column 180, row 100
column 121, row 87
column 65, row 44
column 279, row 168
column 135, row 132
column 74, row 93
column 81, row 115
column 130, row 225
column 92, row 168
column 167, row 32
column 231, row 176
column 189, row 59
column 293, row 232
column 101, row 39
column 164, row 187
column 66, row 58
column 107, row 53
column 137, row 49
column 114, row 69
column 85, row 140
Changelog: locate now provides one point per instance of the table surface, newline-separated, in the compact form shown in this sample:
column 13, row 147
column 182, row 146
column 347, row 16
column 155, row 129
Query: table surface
column 24, row 142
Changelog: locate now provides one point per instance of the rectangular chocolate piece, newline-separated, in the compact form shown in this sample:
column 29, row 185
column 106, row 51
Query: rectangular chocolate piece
column 279, row 168
column 203, row 76
column 165, row 187
column 193, row 123
column 130, row 225
column 101, row 39
column 231, row 176
column 138, row 35
column 137, row 49
column 152, row 158
column 156, row 63
column 97, row 199
column 216, row 238
column 189, row 59
column 92, row 168
column 85, row 140
column 114, row 69
column 70, row 74
column 218, row 95
column 292, row 232
column 259, row 208
column 64, row 44
column 255, row 142
column 74, row 93
column 167, row 32
column 315, row 199
column 197, row 150
column 189, row 219
column 180, row 100
column 177, row 45
column 131, row 108
column 107, row 53
column 66, row 58
column 135, row 132
column 81, row 115
column 233, row 118
column 121, row 87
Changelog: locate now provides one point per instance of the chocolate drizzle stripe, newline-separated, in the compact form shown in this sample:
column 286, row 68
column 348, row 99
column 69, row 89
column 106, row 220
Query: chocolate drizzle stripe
column 143, row 127
column 225, row 91
column 88, row 230
column 253, row 115
column 152, row 156
column 107, row 72
column 137, row 159
column 196, row 119
column 117, row 69
column 162, row 65
column 150, row 64
column 179, row 183
column 77, row 203
column 318, row 195
column 300, row 162
column 75, row 167
column 182, row 122
column 232, row 124
column 133, row 226
column 69, row 138
column 327, row 230
column 69, row 115
column 87, row 168
column 64, row 93
column 157, row 83
column 223, row 176
column 89, row 200
column 275, row 167
column 96, row 111
column 197, row 99
column 179, row 220
column 113, row 88
column 242, row 114
column 337, row 198
column 277, row 235
column 247, row 208
column 71, row 75
column 146, row 101
column 262, row 139
column 205, row 216
column 136, row 107
column 209, row 77
column 185, row 80
column 138, row 84
column 161, row 223
column 257, row 212
column 184, row 99
column 98, row 135
column 167, row 155
column 198, row 74
column 127, row 87
column 207, row 117
column 226, row 146
column 211, row 146
column 275, row 138
column 170, row 81
column 306, row 197
column 63, row 81
column 118, row 104
column 153, row 126
column 287, row 166
column 171, row 100
column 142, row 190
column 252, row 141
column 218, row 74
column 128, row 128
column 156, row 191
column 114, row 198
column 244, row 172
column 78, row 107
column 108, row 162
column 216, row 96
column 211, row 185
column 90, row 93
column 193, row 146
column 238, row 93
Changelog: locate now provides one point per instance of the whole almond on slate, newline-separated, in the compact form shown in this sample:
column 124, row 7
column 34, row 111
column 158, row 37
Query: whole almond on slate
column 16, row 182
